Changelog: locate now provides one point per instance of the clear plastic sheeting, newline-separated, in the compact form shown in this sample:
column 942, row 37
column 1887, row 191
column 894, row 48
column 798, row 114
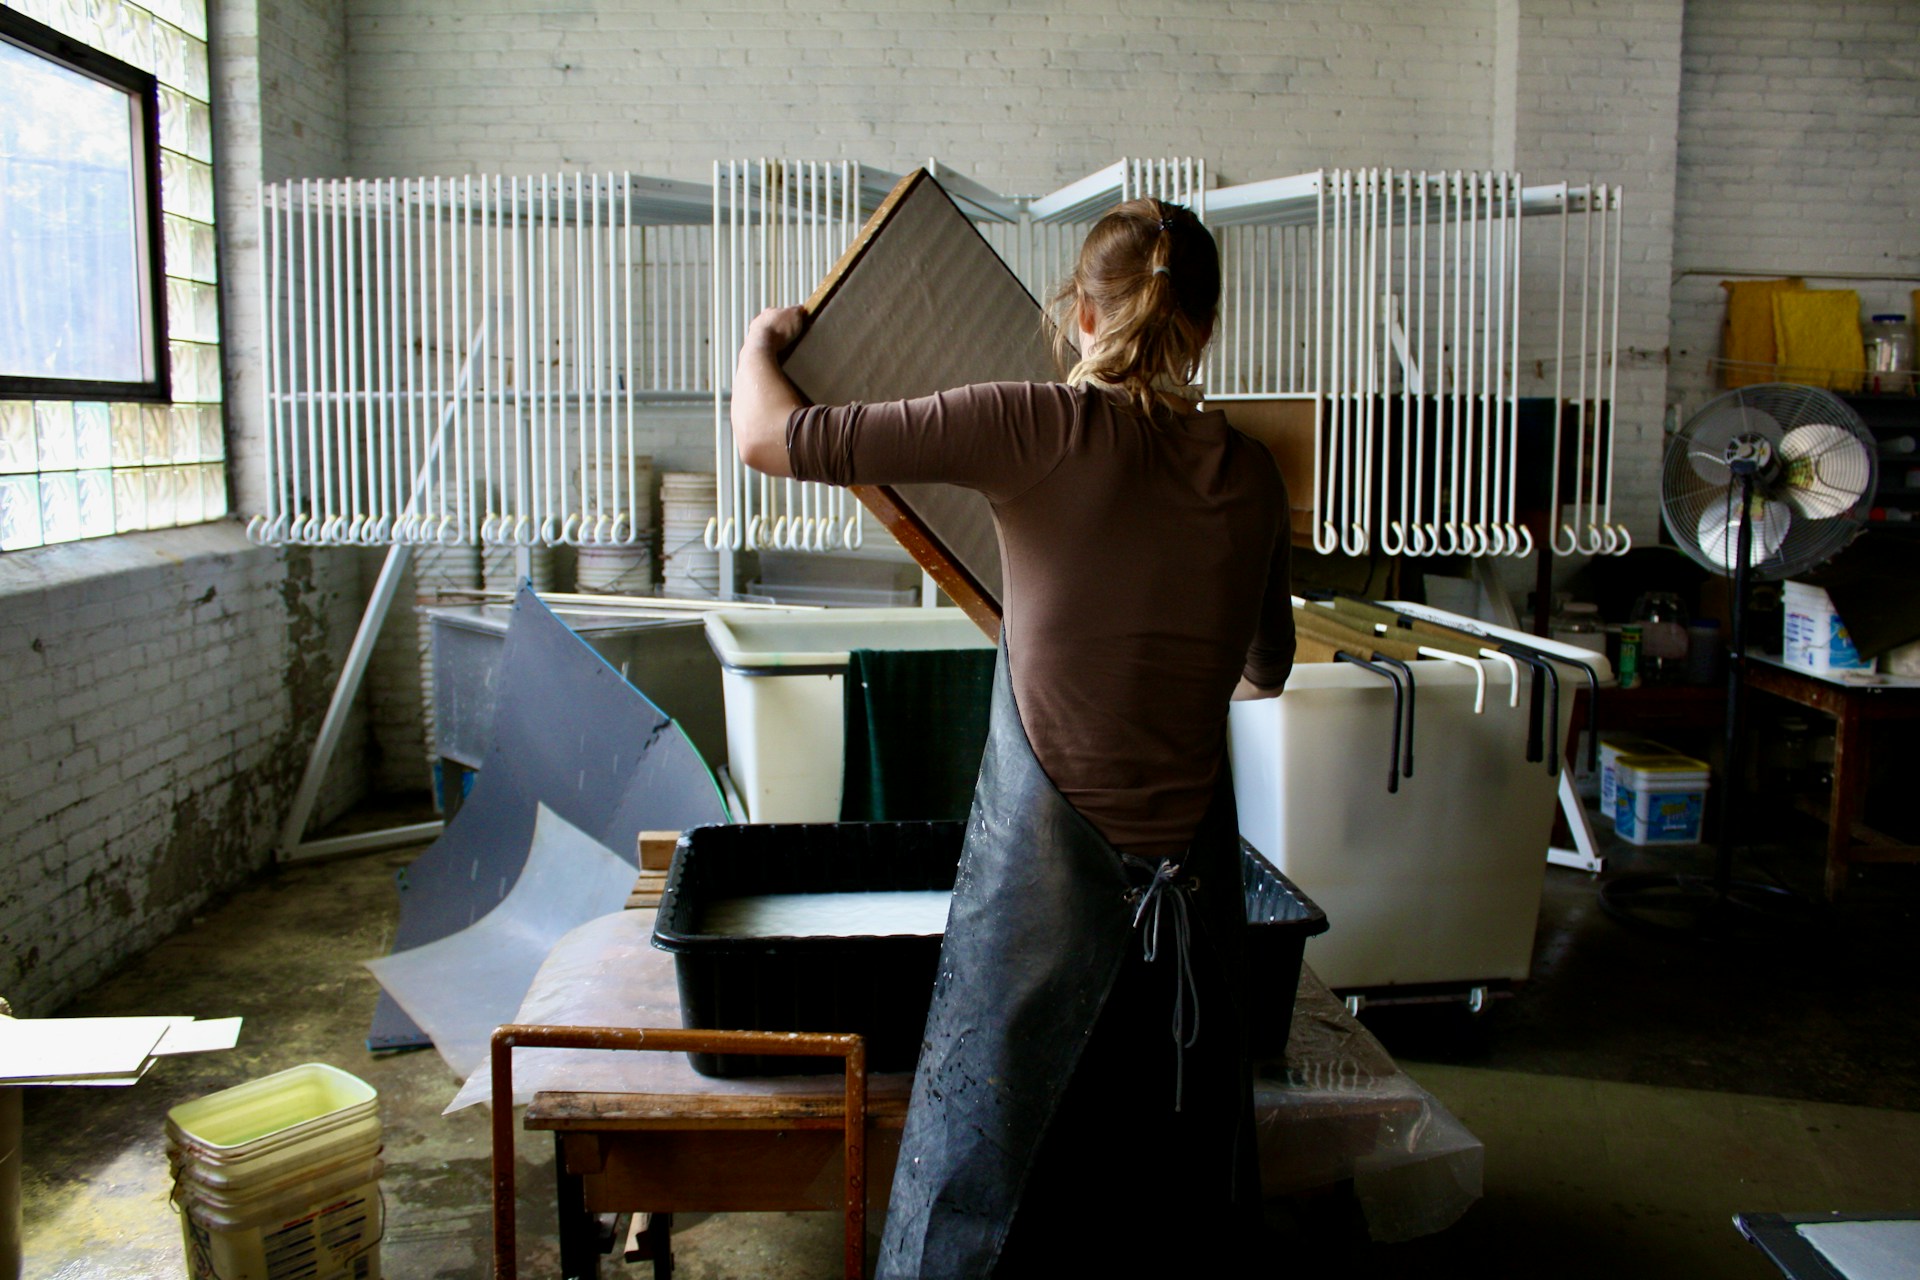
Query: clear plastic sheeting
column 1339, row 1109
column 1336, row 1109
column 608, row 973
column 459, row 988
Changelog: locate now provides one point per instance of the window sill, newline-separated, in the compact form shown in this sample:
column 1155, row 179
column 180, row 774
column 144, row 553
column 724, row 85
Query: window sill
column 67, row 564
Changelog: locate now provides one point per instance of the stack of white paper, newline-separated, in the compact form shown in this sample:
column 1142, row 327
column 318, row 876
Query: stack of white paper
column 102, row 1051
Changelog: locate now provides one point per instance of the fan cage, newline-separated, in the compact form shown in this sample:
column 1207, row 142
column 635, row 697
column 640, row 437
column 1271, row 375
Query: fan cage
column 1700, row 494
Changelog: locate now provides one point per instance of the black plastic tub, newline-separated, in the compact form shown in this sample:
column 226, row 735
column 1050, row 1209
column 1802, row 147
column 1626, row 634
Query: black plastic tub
column 879, row 985
column 1280, row 919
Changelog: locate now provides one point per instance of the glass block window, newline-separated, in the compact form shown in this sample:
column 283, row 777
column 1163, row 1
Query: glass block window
column 110, row 392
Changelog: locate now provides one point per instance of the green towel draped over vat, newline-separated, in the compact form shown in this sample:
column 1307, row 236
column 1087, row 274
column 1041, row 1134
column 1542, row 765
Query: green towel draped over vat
column 916, row 726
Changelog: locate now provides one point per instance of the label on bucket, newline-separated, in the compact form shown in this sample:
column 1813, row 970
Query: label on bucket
column 1651, row 816
column 335, row 1242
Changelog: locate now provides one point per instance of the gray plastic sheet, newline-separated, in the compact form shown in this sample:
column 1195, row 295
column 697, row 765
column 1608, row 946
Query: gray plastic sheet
column 459, row 988
column 568, row 733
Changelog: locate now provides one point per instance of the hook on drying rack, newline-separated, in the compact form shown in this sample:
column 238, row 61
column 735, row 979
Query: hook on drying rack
column 1537, row 729
column 1513, row 673
column 1393, row 678
column 1406, row 673
column 1479, row 673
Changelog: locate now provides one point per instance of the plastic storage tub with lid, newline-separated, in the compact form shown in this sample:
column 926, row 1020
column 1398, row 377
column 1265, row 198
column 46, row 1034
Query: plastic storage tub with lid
column 1659, row 799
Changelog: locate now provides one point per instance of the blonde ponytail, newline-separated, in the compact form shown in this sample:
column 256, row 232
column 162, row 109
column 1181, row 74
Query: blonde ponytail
column 1151, row 273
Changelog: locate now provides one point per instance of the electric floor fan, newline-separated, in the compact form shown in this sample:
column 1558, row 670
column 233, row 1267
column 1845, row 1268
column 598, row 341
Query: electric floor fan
column 1765, row 482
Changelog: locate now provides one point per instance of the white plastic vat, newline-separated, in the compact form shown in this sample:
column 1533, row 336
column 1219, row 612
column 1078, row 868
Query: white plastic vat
column 1437, row 883
column 783, row 675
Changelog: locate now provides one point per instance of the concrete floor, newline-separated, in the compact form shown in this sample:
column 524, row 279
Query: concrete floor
column 1632, row 1096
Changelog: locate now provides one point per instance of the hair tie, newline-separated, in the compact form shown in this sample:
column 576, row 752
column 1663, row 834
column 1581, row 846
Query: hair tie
column 1162, row 271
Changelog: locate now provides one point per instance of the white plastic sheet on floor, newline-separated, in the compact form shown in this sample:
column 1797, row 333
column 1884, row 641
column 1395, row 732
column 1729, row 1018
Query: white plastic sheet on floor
column 460, row 987
column 1336, row 1108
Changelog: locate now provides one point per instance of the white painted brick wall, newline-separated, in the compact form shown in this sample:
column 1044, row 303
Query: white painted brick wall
column 1798, row 131
column 1597, row 99
column 161, row 689
column 1023, row 95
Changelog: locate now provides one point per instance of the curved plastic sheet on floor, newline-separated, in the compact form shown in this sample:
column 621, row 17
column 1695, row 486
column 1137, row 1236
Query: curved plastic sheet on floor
column 571, row 735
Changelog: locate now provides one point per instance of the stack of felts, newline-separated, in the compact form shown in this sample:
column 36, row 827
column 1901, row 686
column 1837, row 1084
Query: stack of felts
column 499, row 569
column 615, row 554
column 437, row 569
column 287, row 1166
column 687, row 503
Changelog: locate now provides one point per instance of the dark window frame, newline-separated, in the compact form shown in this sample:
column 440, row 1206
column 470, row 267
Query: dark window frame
column 143, row 88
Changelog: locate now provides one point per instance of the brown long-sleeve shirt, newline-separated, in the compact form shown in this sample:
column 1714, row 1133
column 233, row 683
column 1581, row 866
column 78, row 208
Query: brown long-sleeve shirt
column 1145, row 564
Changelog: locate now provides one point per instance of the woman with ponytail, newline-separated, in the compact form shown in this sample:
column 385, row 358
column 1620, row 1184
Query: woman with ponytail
column 1082, row 1102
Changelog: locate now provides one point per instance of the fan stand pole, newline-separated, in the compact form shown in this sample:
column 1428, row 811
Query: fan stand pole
column 1676, row 904
column 1735, row 750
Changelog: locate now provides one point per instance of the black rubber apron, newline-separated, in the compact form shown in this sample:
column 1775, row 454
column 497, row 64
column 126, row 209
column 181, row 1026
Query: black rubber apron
column 1044, row 913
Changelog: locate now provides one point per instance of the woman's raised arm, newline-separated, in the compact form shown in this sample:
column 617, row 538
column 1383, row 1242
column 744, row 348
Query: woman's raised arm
column 763, row 399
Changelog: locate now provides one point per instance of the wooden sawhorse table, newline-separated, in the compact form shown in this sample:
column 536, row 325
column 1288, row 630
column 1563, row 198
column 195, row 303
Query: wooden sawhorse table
column 1856, row 706
column 642, row 1132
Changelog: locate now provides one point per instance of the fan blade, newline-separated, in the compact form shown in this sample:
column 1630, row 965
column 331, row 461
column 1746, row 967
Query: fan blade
column 1827, row 470
column 1718, row 530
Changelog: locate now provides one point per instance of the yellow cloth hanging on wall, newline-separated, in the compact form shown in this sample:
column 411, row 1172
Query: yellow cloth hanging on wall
column 1747, row 343
column 1818, row 334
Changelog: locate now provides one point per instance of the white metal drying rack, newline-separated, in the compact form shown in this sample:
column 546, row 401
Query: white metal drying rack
column 463, row 360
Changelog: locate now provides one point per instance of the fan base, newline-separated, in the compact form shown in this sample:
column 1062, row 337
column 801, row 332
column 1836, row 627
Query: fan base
column 1671, row 904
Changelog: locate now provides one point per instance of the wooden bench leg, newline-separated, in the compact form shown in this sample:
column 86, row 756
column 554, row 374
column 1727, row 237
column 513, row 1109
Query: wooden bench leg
column 1849, row 795
column 579, row 1230
column 660, row 1241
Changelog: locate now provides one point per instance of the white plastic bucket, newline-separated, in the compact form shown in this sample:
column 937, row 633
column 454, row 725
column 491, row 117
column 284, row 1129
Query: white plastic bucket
column 1659, row 799
column 295, row 1105
column 1815, row 638
column 1611, row 749
column 614, row 569
column 279, row 1178
column 327, row 1229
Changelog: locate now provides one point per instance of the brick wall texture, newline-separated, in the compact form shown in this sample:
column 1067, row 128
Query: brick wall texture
column 161, row 692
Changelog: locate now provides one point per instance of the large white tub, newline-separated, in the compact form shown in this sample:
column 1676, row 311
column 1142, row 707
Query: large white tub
column 1437, row 883
column 783, row 676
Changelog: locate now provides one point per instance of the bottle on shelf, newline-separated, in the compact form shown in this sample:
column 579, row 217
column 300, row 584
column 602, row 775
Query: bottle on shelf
column 1626, row 665
column 1663, row 637
column 1889, row 343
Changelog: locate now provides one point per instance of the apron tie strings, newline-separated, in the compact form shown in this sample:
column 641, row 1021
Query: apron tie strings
column 1151, row 904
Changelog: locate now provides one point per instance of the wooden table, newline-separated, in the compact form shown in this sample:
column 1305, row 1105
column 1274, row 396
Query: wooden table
column 641, row 1132
column 1855, row 707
